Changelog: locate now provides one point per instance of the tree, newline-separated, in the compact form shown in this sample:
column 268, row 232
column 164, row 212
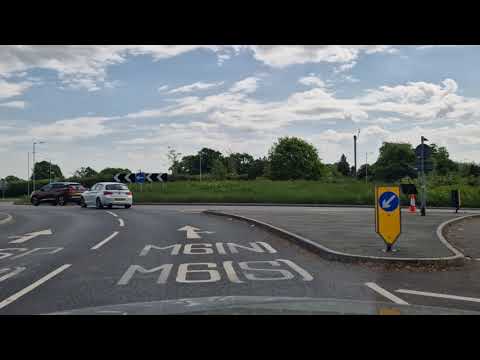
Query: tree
column 85, row 172
column 294, row 158
column 208, row 159
column 190, row 164
column 44, row 171
column 12, row 178
column 110, row 172
column 343, row 166
column 441, row 160
column 219, row 171
column 257, row 168
column 396, row 160
column 239, row 163
column 174, row 158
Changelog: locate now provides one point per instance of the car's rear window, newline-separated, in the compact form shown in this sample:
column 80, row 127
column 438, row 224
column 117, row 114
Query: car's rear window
column 116, row 187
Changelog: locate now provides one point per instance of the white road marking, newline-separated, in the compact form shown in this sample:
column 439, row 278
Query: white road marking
column 29, row 236
column 7, row 219
column 18, row 270
column 385, row 293
column 31, row 287
column 103, row 242
column 121, row 222
column 191, row 232
column 113, row 214
column 437, row 295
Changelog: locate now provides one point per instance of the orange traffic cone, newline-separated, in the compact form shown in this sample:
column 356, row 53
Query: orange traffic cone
column 413, row 207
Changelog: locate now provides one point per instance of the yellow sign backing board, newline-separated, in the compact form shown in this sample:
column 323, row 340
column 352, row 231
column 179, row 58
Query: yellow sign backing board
column 388, row 220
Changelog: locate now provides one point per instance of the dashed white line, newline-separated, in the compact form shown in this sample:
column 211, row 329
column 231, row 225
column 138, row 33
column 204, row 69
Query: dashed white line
column 103, row 242
column 121, row 222
column 113, row 214
column 437, row 295
column 11, row 274
column 386, row 293
column 31, row 287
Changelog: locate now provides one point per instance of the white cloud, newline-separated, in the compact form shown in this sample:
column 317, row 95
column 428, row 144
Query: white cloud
column 10, row 89
column 14, row 104
column 85, row 66
column 285, row 55
column 194, row 87
column 311, row 80
column 68, row 129
column 163, row 88
column 345, row 67
column 247, row 85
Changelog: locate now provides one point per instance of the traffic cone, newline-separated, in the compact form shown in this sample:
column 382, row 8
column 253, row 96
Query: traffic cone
column 413, row 207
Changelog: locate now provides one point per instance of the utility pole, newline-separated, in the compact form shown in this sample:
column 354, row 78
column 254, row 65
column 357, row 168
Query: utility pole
column 366, row 168
column 424, row 185
column 33, row 158
column 28, row 174
column 200, row 156
column 50, row 172
column 355, row 155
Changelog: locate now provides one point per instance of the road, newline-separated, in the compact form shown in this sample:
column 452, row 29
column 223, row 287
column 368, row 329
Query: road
column 55, row 259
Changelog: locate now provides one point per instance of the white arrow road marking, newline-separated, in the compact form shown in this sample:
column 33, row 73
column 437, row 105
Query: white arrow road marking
column 103, row 242
column 191, row 232
column 386, row 294
column 121, row 222
column 29, row 236
column 206, row 232
column 18, row 270
column 386, row 203
column 113, row 214
column 33, row 286
column 437, row 295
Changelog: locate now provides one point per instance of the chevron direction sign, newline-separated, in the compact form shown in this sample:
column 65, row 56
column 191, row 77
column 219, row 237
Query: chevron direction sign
column 132, row 178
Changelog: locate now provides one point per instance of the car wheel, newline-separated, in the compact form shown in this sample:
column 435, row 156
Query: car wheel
column 99, row 204
column 61, row 200
column 83, row 204
column 128, row 206
column 35, row 201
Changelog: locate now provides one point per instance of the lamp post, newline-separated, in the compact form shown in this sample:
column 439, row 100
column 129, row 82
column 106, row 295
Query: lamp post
column 33, row 159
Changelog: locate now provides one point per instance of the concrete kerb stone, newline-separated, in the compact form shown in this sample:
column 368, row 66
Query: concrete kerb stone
column 329, row 254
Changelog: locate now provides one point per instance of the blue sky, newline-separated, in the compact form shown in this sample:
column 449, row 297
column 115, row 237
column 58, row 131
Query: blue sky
column 123, row 106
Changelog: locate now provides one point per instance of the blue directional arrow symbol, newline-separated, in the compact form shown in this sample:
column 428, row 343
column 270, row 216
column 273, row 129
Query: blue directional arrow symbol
column 389, row 201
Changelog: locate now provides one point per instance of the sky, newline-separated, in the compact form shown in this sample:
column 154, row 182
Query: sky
column 127, row 105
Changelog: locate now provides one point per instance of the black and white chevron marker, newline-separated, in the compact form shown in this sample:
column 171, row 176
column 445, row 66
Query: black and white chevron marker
column 149, row 177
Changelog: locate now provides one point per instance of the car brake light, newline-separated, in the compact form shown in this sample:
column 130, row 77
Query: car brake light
column 107, row 193
column 129, row 193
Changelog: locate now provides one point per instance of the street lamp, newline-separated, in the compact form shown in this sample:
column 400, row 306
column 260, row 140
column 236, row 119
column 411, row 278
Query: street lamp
column 33, row 155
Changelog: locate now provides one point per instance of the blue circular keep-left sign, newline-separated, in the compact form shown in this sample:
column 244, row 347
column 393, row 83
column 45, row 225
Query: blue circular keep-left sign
column 140, row 177
column 388, row 201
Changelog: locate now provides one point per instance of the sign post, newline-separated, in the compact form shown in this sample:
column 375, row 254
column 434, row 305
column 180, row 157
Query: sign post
column 423, row 152
column 388, row 220
column 456, row 202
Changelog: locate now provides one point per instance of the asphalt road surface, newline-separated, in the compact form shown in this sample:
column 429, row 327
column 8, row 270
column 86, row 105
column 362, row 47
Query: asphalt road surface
column 56, row 259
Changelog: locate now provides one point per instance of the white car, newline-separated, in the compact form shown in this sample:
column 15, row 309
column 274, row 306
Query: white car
column 107, row 194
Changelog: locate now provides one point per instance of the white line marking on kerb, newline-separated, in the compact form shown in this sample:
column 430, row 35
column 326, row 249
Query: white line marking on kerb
column 437, row 295
column 31, row 287
column 103, row 242
column 113, row 214
column 121, row 222
column 386, row 294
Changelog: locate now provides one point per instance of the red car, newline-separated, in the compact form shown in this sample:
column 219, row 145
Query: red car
column 58, row 193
